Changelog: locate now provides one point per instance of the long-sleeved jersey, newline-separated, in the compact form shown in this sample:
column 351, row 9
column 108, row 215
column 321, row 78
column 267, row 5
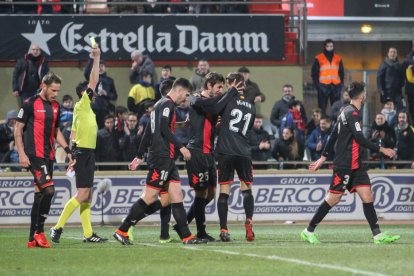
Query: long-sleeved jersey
column 347, row 138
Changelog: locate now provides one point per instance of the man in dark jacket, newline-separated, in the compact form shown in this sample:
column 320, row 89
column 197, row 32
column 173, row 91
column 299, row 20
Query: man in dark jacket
column 252, row 91
column 390, row 79
column 405, row 140
column 106, row 92
column 130, row 141
column 28, row 73
column 107, row 146
column 381, row 134
column 259, row 140
column 141, row 63
column 6, row 132
column 328, row 75
column 318, row 138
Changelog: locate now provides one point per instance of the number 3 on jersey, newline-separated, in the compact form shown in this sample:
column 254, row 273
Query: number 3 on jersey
column 238, row 116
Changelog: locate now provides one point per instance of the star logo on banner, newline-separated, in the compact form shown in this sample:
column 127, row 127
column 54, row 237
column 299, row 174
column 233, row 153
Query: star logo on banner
column 39, row 38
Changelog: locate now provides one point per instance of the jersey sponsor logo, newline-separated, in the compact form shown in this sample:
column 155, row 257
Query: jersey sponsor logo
column 357, row 126
column 166, row 112
column 41, row 110
column 21, row 113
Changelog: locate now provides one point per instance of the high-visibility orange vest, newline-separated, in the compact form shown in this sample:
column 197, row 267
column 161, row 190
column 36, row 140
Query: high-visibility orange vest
column 329, row 71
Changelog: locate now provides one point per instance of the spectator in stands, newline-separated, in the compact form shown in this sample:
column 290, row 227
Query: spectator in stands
column 317, row 140
column 314, row 122
column 28, row 73
column 178, row 8
column 294, row 120
column 287, row 149
column 133, row 8
column 66, row 111
column 11, row 157
column 107, row 146
column 7, row 133
column 165, row 75
column 141, row 63
column 148, row 106
column 106, row 92
column 152, row 7
column 130, row 142
column 235, row 8
column 328, row 75
column 6, row 9
column 25, row 9
column 390, row 79
column 259, row 140
column 140, row 92
column 382, row 134
column 281, row 107
column 121, row 117
column 252, row 91
column 48, row 9
column 405, row 139
column 197, row 80
column 389, row 113
column 339, row 105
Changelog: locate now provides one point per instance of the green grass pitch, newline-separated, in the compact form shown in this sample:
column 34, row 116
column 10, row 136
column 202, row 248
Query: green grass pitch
column 277, row 250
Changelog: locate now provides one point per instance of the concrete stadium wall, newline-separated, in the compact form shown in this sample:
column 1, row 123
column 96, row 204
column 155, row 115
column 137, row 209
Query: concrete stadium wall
column 269, row 78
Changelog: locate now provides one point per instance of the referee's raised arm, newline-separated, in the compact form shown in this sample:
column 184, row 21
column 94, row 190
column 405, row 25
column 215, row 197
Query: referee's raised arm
column 94, row 77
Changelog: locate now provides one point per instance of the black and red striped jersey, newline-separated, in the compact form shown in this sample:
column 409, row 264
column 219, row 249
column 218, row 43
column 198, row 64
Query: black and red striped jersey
column 163, row 142
column 202, row 130
column 237, row 119
column 41, row 121
column 347, row 138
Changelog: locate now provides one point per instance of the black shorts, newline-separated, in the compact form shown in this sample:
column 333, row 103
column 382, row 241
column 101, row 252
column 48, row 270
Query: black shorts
column 201, row 170
column 161, row 172
column 85, row 168
column 228, row 163
column 42, row 171
column 347, row 179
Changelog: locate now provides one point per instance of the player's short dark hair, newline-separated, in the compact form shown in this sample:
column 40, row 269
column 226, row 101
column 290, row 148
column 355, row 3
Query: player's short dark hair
column 50, row 78
column 109, row 116
column 167, row 66
column 234, row 77
column 82, row 86
column 328, row 41
column 213, row 78
column 355, row 89
column 132, row 114
column 120, row 109
column 67, row 98
column 166, row 86
column 317, row 110
column 287, row 86
column 144, row 74
column 182, row 82
column 259, row 116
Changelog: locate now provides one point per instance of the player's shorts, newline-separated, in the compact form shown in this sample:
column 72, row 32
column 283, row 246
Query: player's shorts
column 161, row 172
column 228, row 163
column 42, row 171
column 201, row 170
column 84, row 167
column 347, row 179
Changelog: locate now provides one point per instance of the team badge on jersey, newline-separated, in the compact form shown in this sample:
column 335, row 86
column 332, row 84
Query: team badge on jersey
column 21, row 112
column 357, row 126
column 166, row 112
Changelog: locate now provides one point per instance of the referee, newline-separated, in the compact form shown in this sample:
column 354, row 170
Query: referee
column 83, row 136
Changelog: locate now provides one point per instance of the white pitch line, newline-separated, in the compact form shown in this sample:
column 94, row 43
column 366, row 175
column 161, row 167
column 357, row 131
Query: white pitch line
column 272, row 257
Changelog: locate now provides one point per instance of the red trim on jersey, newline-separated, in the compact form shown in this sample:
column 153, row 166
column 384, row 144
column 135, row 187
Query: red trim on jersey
column 207, row 135
column 353, row 190
column 172, row 124
column 355, row 155
column 47, row 184
column 225, row 183
column 163, row 192
column 55, row 106
column 336, row 192
column 39, row 127
column 247, row 182
column 174, row 181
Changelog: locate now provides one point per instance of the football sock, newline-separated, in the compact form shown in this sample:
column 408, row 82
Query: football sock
column 151, row 209
column 85, row 215
column 165, row 216
column 34, row 214
column 191, row 213
column 322, row 211
column 137, row 211
column 371, row 216
column 248, row 203
column 70, row 207
column 200, row 214
column 222, row 207
column 44, row 207
column 178, row 212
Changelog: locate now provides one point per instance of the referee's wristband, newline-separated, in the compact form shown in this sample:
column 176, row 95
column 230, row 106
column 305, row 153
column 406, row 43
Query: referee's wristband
column 67, row 150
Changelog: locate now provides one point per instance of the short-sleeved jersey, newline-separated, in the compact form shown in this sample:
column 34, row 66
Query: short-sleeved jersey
column 84, row 123
column 348, row 138
column 237, row 119
column 163, row 141
column 202, row 130
column 41, row 120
